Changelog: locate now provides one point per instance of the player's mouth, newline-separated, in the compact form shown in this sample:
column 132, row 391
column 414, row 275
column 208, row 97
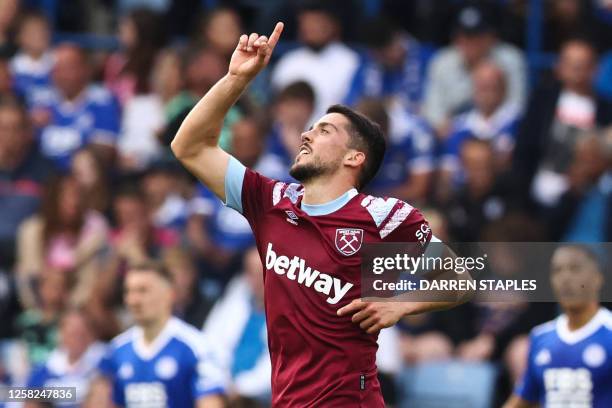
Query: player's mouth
column 304, row 150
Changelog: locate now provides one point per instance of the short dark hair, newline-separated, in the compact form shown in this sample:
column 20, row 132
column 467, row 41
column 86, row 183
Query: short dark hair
column 158, row 268
column 379, row 32
column 365, row 135
column 297, row 90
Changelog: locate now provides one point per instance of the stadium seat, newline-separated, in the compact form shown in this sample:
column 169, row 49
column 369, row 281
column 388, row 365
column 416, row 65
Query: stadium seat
column 451, row 384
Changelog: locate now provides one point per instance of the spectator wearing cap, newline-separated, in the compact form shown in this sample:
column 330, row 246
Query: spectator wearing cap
column 491, row 118
column 449, row 85
column 74, row 113
column 393, row 68
column 558, row 114
column 323, row 61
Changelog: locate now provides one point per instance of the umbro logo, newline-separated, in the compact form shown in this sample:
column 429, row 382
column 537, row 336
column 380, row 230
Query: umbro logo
column 291, row 217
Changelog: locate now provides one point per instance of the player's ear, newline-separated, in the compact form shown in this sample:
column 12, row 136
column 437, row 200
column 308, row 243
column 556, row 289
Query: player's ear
column 354, row 158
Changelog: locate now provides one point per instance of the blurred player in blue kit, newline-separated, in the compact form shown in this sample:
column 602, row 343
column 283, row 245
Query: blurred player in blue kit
column 570, row 358
column 162, row 361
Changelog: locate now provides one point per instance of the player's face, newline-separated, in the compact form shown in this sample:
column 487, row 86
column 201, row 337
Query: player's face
column 147, row 296
column 575, row 278
column 323, row 148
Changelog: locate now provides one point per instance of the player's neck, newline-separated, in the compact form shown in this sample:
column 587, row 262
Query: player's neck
column 152, row 329
column 579, row 317
column 324, row 190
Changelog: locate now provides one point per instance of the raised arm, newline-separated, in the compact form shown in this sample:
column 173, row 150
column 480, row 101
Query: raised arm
column 196, row 144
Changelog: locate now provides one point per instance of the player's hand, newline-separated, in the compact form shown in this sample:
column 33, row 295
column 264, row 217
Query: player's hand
column 373, row 316
column 253, row 53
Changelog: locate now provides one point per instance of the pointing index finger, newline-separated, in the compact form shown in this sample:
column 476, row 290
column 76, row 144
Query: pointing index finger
column 278, row 29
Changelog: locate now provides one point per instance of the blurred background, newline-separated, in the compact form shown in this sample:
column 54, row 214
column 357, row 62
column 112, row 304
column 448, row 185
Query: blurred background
column 497, row 115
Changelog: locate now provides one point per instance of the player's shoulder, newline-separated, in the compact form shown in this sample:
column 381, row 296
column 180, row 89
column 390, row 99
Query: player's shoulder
column 544, row 329
column 282, row 190
column 188, row 336
column 122, row 340
column 388, row 213
column 606, row 318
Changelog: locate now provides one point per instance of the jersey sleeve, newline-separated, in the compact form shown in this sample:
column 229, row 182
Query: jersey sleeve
column 247, row 191
column 407, row 224
column 529, row 388
column 107, row 368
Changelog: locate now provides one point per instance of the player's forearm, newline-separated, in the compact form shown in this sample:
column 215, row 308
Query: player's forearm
column 202, row 126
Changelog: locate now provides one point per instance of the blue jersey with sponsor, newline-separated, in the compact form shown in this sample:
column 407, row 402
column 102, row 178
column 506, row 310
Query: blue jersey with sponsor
column 93, row 118
column 174, row 371
column 59, row 372
column 570, row 368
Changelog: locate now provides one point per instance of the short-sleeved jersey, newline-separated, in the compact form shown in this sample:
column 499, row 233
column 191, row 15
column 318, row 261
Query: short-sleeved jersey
column 174, row 371
column 94, row 118
column 311, row 264
column 570, row 368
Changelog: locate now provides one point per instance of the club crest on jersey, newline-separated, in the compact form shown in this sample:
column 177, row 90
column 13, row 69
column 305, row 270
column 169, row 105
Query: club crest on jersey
column 348, row 240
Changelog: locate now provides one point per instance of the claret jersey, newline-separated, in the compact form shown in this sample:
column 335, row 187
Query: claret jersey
column 312, row 266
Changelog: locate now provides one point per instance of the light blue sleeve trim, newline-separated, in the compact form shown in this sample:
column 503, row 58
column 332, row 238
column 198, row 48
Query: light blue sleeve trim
column 234, row 177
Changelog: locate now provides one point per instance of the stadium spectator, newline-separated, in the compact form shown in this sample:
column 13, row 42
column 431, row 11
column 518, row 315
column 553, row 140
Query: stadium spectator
column 407, row 168
column 485, row 196
column 219, row 31
column 449, row 86
column 583, row 211
column 92, row 176
column 37, row 325
column 393, row 69
column 238, row 317
column 163, row 184
column 554, row 373
column 492, row 119
column 135, row 239
column 219, row 234
column 6, row 79
column 74, row 363
column 325, row 63
column 167, row 77
column 74, row 113
column 8, row 11
column 161, row 360
column 291, row 111
column 190, row 305
column 64, row 236
column 555, row 118
column 128, row 72
column 202, row 68
column 31, row 66
column 23, row 172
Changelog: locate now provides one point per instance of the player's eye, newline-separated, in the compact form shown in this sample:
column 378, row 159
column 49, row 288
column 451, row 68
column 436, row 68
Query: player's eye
column 324, row 131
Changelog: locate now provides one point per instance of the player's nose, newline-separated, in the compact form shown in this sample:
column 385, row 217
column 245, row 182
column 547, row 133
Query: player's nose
column 306, row 137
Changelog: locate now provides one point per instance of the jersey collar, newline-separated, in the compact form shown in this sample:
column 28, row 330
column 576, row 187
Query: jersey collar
column 601, row 318
column 330, row 206
column 148, row 351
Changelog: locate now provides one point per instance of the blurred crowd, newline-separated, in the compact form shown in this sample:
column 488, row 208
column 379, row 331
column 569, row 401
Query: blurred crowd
column 88, row 185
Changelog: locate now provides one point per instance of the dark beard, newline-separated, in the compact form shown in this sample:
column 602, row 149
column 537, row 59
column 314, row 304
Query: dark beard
column 306, row 172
